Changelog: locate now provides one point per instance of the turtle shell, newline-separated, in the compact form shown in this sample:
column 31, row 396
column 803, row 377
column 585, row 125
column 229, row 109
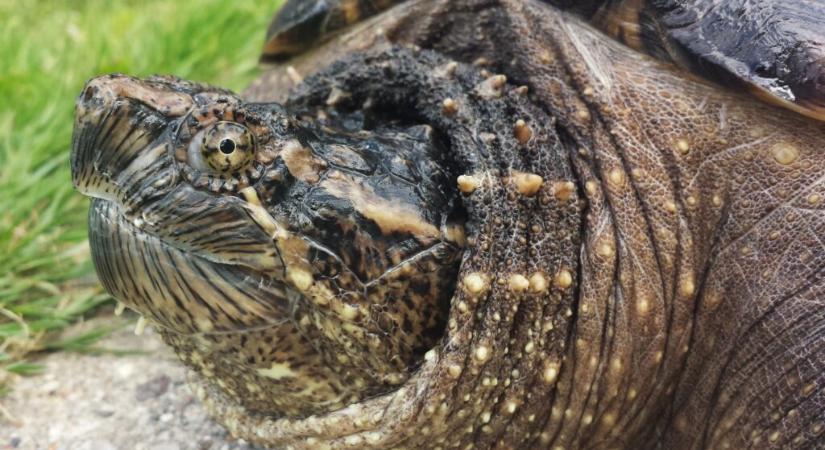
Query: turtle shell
column 772, row 49
column 299, row 24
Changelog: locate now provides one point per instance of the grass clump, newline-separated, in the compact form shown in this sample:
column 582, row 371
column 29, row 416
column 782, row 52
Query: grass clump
column 48, row 49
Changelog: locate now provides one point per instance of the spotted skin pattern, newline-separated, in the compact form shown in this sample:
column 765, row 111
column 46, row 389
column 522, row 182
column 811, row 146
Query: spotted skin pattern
column 644, row 261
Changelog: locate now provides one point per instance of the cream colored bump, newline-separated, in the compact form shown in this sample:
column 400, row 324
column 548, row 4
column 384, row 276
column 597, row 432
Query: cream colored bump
column 491, row 87
column 510, row 407
column 717, row 200
column 605, row 249
column 468, row 183
column 588, row 91
column 454, row 371
column 616, row 177
column 518, row 283
column 462, row 306
column 529, row 347
column 538, row 282
column 814, row 199
column 587, row 419
column 475, row 283
column 451, row 68
column 616, row 365
column 774, row 436
column 691, row 200
column 546, row 57
column 527, row 184
column 670, row 206
column 632, row 393
column 485, row 417
column 682, row 145
column 686, row 286
column 522, row 132
column 563, row 279
column 590, row 187
column 609, row 419
column 300, row 278
column 449, row 106
column 349, row 312
column 582, row 113
column 658, row 356
column 482, row 353
column 808, row 389
column 550, row 372
column 642, row 305
column 784, row 153
column 563, row 190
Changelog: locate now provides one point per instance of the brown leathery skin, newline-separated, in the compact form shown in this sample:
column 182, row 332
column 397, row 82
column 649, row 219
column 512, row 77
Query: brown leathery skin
column 294, row 293
column 699, row 315
column 466, row 377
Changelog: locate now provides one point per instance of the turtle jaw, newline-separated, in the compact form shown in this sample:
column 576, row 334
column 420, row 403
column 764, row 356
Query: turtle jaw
column 181, row 290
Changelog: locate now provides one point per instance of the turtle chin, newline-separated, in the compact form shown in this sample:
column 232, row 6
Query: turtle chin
column 233, row 325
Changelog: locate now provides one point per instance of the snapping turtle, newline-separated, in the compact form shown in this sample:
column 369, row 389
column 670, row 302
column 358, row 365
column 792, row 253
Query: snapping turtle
column 472, row 224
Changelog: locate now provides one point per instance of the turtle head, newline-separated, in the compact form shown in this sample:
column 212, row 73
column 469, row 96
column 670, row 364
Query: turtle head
column 305, row 262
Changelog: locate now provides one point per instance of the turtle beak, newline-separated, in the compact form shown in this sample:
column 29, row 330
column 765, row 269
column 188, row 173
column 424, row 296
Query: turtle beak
column 120, row 142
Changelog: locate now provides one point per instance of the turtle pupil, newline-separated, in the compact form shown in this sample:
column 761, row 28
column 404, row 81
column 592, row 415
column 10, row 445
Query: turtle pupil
column 227, row 146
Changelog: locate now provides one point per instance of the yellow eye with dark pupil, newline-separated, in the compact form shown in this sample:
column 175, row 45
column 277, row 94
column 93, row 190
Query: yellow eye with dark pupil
column 228, row 147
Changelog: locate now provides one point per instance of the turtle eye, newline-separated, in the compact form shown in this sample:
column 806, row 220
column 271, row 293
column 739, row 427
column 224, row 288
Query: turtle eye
column 227, row 147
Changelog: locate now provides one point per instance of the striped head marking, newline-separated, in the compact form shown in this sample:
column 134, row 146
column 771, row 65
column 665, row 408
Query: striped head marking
column 311, row 263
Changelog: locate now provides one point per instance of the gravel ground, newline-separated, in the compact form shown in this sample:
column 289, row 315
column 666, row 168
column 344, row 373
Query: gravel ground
column 107, row 402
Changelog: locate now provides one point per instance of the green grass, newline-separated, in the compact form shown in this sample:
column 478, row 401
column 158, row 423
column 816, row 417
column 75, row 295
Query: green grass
column 48, row 49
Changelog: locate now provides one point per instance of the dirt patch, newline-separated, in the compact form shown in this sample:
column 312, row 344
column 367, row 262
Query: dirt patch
column 108, row 402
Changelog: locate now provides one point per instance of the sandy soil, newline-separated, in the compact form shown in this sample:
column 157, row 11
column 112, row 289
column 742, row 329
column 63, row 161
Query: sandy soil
column 109, row 402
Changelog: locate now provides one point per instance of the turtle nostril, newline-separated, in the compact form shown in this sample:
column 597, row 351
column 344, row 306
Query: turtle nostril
column 227, row 146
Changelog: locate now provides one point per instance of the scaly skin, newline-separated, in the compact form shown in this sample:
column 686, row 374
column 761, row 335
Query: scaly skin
column 699, row 319
column 644, row 265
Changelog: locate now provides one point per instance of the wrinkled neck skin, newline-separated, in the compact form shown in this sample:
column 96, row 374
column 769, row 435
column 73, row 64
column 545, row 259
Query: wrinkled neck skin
column 695, row 315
